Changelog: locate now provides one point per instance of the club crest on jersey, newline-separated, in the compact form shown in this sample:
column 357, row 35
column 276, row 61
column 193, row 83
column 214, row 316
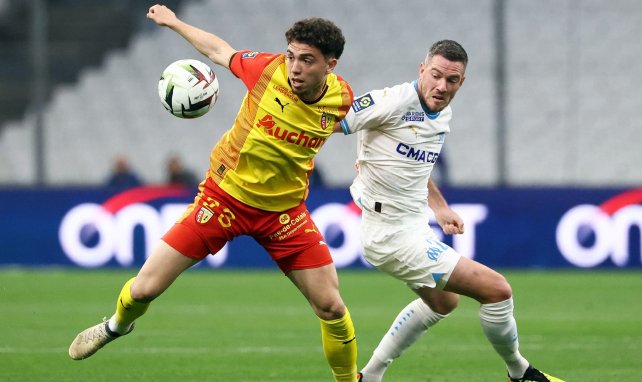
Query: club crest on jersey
column 204, row 215
column 326, row 120
column 249, row 55
column 363, row 102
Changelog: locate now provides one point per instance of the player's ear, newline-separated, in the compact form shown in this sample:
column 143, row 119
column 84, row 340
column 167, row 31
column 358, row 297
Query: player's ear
column 332, row 63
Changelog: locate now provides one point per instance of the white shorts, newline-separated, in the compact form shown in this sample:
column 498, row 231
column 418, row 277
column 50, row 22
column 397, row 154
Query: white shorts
column 407, row 250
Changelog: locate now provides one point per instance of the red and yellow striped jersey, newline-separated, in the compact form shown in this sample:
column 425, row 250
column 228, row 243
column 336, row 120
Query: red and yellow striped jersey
column 264, row 160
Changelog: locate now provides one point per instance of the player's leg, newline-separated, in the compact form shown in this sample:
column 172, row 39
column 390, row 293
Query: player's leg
column 320, row 286
column 159, row 271
column 423, row 264
column 491, row 289
column 168, row 260
column 410, row 324
column 156, row 275
column 494, row 293
column 407, row 251
column 181, row 247
column 299, row 249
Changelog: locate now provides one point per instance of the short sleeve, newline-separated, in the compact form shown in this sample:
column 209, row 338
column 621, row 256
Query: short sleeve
column 248, row 66
column 370, row 110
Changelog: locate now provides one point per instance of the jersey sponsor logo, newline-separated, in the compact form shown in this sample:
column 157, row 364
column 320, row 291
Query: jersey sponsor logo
column 297, row 138
column 414, row 116
column 249, row 55
column 417, row 154
column 290, row 227
column 363, row 102
column 286, row 92
column 204, row 215
column 284, row 219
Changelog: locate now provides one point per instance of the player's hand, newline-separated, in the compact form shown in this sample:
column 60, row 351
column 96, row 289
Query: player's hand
column 449, row 221
column 162, row 15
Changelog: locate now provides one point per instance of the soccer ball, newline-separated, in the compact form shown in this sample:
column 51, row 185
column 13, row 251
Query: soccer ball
column 188, row 88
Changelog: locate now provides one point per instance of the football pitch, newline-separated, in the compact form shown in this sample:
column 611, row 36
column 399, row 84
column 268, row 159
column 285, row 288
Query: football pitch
column 255, row 326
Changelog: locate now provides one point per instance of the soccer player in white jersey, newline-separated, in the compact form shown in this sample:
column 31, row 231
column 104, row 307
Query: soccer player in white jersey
column 401, row 131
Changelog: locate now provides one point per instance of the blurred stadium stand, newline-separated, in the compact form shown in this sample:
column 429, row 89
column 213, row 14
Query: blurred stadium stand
column 573, row 85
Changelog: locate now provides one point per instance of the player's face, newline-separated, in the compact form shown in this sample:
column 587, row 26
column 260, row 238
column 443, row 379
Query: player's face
column 307, row 70
column 439, row 80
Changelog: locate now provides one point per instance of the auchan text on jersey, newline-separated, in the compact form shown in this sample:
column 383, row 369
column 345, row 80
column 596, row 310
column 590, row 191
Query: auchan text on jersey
column 278, row 132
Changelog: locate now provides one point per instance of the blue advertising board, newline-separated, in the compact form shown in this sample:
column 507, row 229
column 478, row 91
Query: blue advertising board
column 519, row 228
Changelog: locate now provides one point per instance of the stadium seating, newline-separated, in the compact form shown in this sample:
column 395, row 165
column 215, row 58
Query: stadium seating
column 571, row 104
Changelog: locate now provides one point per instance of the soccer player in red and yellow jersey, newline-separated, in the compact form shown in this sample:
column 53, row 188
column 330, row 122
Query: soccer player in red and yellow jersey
column 257, row 183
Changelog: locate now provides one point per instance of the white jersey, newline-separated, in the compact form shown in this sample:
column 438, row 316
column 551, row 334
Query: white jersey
column 399, row 141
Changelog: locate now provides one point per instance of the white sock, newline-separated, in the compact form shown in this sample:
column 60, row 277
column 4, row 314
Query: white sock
column 116, row 328
column 500, row 328
column 411, row 323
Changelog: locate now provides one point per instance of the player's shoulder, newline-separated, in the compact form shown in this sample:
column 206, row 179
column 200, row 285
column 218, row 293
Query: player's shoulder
column 249, row 58
column 338, row 83
column 395, row 95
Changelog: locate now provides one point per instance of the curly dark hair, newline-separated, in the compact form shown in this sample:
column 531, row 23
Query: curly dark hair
column 320, row 33
column 450, row 50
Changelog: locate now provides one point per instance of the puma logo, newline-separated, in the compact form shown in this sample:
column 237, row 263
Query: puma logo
column 280, row 104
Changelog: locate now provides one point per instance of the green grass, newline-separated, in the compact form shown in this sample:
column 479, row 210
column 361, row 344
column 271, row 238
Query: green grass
column 254, row 326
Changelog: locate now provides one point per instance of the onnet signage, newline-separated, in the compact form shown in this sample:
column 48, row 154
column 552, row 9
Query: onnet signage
column 91, row 236
column 588, row 235
column 516, row 228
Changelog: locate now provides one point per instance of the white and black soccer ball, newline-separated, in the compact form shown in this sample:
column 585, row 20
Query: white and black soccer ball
column 188, row 88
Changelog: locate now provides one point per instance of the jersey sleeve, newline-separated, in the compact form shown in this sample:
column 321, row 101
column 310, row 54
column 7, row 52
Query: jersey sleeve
column 371, row 110
column 248, row 66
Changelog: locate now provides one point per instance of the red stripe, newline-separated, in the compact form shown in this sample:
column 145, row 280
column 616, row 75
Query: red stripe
column 622, row 200
column 143, row 194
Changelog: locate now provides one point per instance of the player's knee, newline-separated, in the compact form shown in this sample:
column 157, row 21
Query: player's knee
column 449, row 304
column 142, row 292
column 330, row 309
column 444, row 305
column 502, row 290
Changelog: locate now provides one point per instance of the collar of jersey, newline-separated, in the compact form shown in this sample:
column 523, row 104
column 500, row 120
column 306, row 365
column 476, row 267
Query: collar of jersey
column 429, row 113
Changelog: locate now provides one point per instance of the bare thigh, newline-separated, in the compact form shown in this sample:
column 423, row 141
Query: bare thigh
column 478, row 281
column 320, row 286
column 159, row 272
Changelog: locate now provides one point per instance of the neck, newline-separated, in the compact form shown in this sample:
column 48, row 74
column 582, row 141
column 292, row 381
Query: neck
column 313, row 96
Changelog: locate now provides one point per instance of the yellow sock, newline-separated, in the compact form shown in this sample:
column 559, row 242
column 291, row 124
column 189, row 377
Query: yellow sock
column 127, row 309
column 340, row 347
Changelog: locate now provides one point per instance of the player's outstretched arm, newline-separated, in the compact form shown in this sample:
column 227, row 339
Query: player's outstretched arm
column 448, row 219
column 210, row 45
